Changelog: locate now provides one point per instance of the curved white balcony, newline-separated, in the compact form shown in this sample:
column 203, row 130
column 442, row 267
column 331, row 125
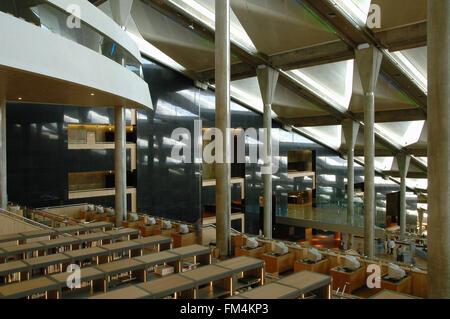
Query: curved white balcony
column 97, row 19
column 40, row 66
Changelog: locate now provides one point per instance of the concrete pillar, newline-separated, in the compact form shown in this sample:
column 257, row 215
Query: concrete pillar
column 403, row 161
column 120, row 157
column 368, row 60
column 3, row 171
column 350, row 129
column 267, row 78
column 438, row 149
column 420, row 215
column 223, row 170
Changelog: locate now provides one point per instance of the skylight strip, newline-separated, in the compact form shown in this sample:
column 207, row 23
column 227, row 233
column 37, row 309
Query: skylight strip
column 351, row 9
column 237, row 36
column 152, row 52
column 414, row 74
column 314, row 87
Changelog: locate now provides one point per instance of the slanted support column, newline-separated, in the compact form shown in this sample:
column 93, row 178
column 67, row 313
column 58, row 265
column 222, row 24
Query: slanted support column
column 223, row 170
column 403, row 161
column 267, row 78
column 350, row 129
column 120, row 165
column 438, row 149
column 3, row 171
column 368, row 59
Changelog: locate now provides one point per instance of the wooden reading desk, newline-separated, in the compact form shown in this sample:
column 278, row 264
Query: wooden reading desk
column 276, row 264
column 355, row 279
column 28, row 288
column 87, row 275
column 132, row 292
column 167, row 286
column 403, row 286
column 271, row 291
column 306, row 281
column 244, row 266
column 211, row 274
column 389, row 294
column 321, row 266
column 199, row 253
column 79, row 255
column 11, row 268
column 43, row 262
column 250, row 252
column 116, row 268
column 151, row 260
column 161, row 242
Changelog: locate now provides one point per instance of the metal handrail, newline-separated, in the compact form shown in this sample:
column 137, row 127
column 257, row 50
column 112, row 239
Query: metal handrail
column 23, row 218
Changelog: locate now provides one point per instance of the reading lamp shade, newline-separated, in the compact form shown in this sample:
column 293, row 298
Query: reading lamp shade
column 184, row 229
column 252, row 243
column 167, row 224
column 314, row 255
column 280, row 248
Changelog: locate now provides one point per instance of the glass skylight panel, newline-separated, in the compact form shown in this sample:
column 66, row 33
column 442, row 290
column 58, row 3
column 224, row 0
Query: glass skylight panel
column 378, row 180
column 403, row 133
column 154, row 53
column 421, row 183
column 332, row 81
column 204, row 10
column 423, row 160
column 418, row 57
column 384, row 163
column 409, row 68
column 381, row 163
column 357, row 9
column 329, row 135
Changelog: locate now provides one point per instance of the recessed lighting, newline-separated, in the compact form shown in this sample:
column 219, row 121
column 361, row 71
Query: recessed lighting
column 20, row 99
column 92, row 94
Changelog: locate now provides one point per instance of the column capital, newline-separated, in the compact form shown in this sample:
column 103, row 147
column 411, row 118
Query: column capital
column 368, row 60
column 403, row 161
column 350, row 129
column 267, row 79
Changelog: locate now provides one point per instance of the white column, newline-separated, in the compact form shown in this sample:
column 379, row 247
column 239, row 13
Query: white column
column 350, row 129
column 267, row 79
column 223, row 170
column 368, row 60
column 120, row 157
column 403, row 161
